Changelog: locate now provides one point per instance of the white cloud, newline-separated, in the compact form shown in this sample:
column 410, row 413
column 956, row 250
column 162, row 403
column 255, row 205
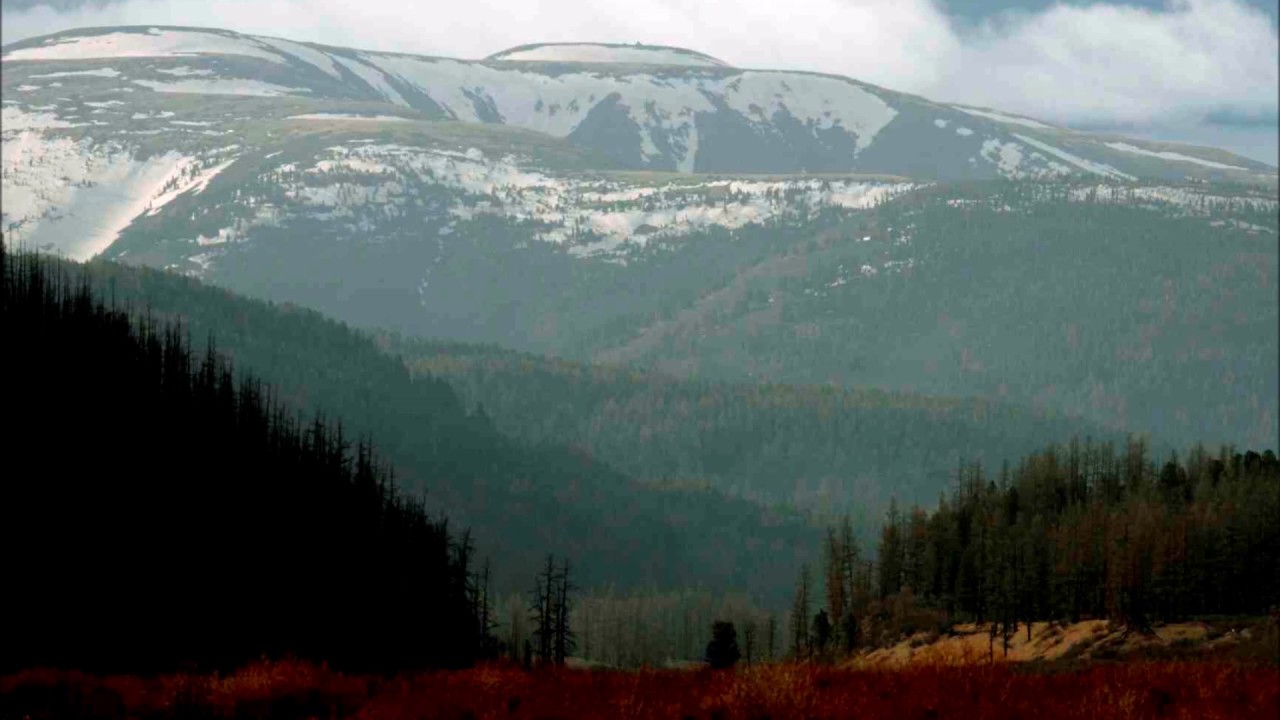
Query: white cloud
column 1123, row 64
column 1100, row 63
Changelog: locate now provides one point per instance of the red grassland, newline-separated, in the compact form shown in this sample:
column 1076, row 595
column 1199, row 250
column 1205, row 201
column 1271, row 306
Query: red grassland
column 778, row 692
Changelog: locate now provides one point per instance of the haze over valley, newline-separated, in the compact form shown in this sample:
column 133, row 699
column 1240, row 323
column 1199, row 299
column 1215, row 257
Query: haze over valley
column 665, row 330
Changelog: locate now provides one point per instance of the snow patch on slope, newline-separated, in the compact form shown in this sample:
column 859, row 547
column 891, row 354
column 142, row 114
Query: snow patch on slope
column 822, row 101
column 1006, row 156
column 311, row 56
column 222, row 86
column 557, row 104
column 100, row 72
column 188, row 175
column 565, row 208
column 14, row 120
column 75, row 196
column 1191, row 200
column 1082, row 163
column 1008, row 119
column 349, row 116
column 373, row 78
column 184, row 71
column 1169, row 155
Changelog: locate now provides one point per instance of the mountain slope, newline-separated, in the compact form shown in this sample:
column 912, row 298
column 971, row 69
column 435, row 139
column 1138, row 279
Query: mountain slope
column 1146, row 309
column 531, row 199
column 520, row 500
column 828, row 449
column 170, row 514
column 637, row 107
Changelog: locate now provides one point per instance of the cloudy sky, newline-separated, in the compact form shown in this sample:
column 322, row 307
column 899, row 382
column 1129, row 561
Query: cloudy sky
column 1200, row 71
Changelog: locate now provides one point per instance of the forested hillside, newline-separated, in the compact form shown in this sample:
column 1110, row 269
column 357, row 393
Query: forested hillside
column 828, row 449
column 1070, row 532
column 1150, row 310
column 160, row 511
column 521, row 499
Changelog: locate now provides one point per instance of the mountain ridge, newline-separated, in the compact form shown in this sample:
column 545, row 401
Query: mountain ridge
column 542, row 208
column 826, row 122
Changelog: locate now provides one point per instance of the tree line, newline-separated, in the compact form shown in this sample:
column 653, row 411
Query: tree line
column 1069, row 533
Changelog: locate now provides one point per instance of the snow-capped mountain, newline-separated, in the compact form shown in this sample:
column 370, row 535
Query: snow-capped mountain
column 102, row 128
column 656, row 205
column 645, row 107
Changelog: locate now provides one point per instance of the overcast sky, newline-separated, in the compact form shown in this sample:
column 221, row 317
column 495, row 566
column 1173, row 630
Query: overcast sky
column 1201, row 71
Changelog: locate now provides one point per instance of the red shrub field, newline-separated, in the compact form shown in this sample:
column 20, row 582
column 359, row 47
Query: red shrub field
column 299, row 690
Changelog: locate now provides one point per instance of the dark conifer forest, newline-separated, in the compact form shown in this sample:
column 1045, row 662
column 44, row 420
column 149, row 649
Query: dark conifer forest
column 161, row 510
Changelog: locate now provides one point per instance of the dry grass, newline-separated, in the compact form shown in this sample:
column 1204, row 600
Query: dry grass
column 776, row 692
column 970, row 644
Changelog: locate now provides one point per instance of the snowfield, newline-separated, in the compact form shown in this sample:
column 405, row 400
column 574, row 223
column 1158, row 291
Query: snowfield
column 599, row 53
column 665, row 108
column 74, row 197
column 153, row 43
column 658, row 108
column 78, row 170
column 668, row 106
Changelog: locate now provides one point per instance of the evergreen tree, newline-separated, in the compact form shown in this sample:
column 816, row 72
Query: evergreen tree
column 722, row 651
column 801, row 646
column 821, row 632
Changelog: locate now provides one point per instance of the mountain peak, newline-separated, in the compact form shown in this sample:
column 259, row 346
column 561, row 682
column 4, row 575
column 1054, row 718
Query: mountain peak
column 607, row 53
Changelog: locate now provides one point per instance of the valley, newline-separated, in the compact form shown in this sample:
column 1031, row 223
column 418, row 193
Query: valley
column 543, row 365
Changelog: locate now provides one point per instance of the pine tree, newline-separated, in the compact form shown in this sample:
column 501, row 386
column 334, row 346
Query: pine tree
column 722, row 652
column 836, row 584
column 890, row 552
column 800, row 641
column 564, row 636
column 543, row 612
column 821, row 632
column 770, row 637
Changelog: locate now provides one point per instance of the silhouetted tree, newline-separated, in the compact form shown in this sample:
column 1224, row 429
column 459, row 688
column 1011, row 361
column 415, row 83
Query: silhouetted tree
column 722, row 651
column 821, row 632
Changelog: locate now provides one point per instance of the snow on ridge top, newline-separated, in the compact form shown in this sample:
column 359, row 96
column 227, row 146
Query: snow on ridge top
column 607, row 53
column 1003, row 118
column 154, row 42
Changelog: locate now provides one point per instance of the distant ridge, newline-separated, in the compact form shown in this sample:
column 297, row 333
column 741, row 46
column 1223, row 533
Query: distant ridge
column 616, row 53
